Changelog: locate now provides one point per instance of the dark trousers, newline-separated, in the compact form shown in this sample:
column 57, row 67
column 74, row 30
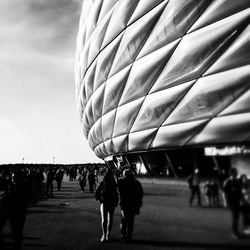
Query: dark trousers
column 16, row 216
column 235, row 213
column 195, row 191
column 49, row 189
column 127, row 224
column 246, row 216
column 59, row 184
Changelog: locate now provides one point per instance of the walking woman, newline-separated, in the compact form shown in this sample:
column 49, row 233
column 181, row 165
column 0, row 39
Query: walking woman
column 107, row 195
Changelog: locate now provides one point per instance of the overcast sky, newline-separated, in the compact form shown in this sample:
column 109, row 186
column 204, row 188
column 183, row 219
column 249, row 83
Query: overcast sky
column 38, row 115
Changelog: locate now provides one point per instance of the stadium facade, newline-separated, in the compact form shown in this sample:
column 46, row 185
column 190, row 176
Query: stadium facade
column 165, row 84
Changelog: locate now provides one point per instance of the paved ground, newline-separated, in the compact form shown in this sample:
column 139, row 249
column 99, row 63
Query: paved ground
column 71, row 220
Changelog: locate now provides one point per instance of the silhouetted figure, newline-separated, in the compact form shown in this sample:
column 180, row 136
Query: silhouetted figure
column 232, row 190
column 91, row 180
column 17, row 200
column 107, row 194
column 59, row 178
column 39, row 179
column 209, row 191
column 194, row 185
column 4, row 185
column 82, row 181
column 49, row 183
column 131, row 194
column 245, row 202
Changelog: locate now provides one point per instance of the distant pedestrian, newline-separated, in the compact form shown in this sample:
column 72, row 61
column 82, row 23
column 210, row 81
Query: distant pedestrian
column 82, row 182
column 107, row 195
column 49, row 183
column 194, row 185
column 245, row 202
column 131, row 195
column 208, row 187
column 91, row 180
column 232, row 190
column 59, row 178
column 17, row 200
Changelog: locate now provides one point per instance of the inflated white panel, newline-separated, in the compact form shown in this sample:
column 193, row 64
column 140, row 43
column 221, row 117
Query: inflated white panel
column 133, row 39
column 157, row 107
column 141, row 140
column 240, row 105
column 219, row 128
column 177, row 134
column 174, row 22
column 236, row 55
column 108, row 121
column 120, row 16
column 121, row 143
column 114, row 89
column 125, row 117
column 145, row 72
column 198, row 50
column 210, row 95
column 219, row 10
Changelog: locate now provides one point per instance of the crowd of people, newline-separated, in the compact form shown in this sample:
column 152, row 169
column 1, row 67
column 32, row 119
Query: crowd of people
column 17, row 191
column 225, row 191
column 18, row 188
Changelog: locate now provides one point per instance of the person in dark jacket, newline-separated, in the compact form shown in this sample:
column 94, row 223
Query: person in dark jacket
column 130, row 194
column 17, row 200
column 49, row 183
column 232, row 190
column 107, row 194
column 59, row 178
column 194, row 185
column 245, row 202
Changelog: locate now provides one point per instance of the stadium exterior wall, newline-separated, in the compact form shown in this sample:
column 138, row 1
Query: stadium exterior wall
column 156, row 76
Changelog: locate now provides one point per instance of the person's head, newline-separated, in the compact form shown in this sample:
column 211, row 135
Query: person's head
column 243, row 178
column 127, row 173
column 233, row 173
column 196, row 171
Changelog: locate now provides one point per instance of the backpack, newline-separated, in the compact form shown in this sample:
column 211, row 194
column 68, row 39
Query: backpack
column 98, row 194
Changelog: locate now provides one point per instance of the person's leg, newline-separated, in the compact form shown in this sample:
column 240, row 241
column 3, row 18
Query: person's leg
column 47, row 189
column 17, row 219
column 131, row 218
column 191, row 196
column 59, row 185
column 51, row 189
column 104, row 213
column 110, row 222
column 235, row 212
column 123, row 224
column 3, row 218
column 198, row 192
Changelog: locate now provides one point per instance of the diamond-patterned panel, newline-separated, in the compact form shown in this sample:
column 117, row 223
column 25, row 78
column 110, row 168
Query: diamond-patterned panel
column 156, row 74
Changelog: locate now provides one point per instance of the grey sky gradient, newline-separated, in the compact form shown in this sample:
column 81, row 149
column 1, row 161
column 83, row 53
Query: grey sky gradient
column 38, row 115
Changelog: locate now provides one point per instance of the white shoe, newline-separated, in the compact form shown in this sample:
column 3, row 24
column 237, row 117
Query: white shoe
column 103, row 238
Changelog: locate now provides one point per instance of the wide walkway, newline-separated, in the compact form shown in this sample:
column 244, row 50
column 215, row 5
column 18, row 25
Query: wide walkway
column 71, row 221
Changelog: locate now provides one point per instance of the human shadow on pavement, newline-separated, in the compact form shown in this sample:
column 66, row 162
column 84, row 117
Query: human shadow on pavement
column 36, row 245
column 192, row 245
column 44, row 211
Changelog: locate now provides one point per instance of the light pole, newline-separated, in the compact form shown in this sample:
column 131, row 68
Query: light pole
column 54, row 159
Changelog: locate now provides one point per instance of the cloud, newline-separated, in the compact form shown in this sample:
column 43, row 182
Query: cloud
column 44, row 25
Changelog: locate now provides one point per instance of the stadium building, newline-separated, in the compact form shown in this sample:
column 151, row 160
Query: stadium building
column 165, row 84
